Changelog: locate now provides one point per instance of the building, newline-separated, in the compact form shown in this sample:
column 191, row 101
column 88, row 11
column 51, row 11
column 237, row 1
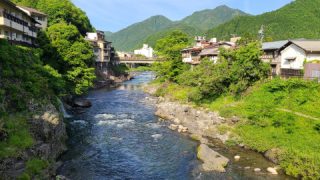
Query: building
column 40, row 17
column 271, row 54
column 191, row 55
column 16, row 25
column 146, row 51
column 102, row 48
column 288, row 58
column 204, row 48
column 295, row 54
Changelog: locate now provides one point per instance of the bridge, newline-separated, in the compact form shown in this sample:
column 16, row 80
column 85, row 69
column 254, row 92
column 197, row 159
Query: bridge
column 139, row 60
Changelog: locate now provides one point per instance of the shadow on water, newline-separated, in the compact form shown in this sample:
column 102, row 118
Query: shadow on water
column 119, row 137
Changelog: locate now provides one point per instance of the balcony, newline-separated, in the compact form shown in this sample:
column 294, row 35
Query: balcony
column 17, row 23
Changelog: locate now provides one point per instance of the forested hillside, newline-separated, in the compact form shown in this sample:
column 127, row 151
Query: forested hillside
column 156, row 27
column 132, row 36
column 299, row 19
column 62, row 44
column 209, row 18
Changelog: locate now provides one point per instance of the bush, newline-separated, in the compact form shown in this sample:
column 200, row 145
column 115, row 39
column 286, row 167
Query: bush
column 18, row 135
column 35, row 166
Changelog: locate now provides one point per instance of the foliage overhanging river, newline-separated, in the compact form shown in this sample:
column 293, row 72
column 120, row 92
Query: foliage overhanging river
column 119, row 137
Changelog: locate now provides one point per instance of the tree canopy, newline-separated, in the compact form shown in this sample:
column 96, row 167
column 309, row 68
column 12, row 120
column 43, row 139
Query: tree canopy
column 169, row 48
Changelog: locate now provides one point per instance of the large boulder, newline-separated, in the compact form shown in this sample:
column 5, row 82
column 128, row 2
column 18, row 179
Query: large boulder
column 83, row 103
column 212, row 160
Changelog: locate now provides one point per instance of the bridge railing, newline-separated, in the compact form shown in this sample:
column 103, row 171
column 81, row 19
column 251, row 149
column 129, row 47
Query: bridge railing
column 140, row 59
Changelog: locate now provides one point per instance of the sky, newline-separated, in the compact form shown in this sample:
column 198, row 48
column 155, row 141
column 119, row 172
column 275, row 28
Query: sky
column 114, row 15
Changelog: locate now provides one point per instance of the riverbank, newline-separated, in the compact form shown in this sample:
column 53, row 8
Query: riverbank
column 281, row 144
column 209, row 129
column 36, row 140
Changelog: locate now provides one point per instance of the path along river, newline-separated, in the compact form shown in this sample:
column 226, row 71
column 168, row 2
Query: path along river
column 119, row 137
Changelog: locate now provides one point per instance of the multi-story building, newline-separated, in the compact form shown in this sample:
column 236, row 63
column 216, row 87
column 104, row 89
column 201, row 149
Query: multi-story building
column 203, row 48
column 146, row 51
column 40, row 17
column 102, row 48
column 16, row 25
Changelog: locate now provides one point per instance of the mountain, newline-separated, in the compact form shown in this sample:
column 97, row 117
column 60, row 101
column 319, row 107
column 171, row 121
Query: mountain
column 108, row 34
column 210, row 18
column 156, row 27
column 298, row 19
column 128, row 38
column 189, row 30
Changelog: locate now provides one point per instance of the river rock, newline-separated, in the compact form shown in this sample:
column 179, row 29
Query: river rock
column 237, row 158
column 83, row 103
column 272, row 170
column 256, row 169
column 173, row 127
column 213, row 161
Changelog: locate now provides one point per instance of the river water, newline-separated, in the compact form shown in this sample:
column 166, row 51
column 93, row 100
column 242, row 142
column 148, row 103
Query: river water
column 119, row 137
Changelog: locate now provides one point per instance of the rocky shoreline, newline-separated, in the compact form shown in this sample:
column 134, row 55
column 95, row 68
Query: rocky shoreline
column 203, row 125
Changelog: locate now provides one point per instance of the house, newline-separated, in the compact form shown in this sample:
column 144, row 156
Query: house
column 146, row 51
column 40, row 17
column 271, row 54
column 204, row 48
column 17, row 26
column 289, row 57
column 191, row 55
column 212, row 51
column 295, row 54
column 102, row 48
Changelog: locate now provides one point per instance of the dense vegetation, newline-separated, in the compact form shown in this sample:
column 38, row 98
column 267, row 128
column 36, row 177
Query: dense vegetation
column 275, row 114
column 169, row 48
column 299, row 19
column 157, row 27
column 132, row 36
column 63, row 46
column 32, row 78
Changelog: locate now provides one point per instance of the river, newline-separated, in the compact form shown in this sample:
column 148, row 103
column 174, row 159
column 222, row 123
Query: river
column 119, row 137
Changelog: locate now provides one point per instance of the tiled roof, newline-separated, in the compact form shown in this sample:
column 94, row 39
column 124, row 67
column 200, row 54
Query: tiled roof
column 274, row 45
column 308, row 45
column 32, row 10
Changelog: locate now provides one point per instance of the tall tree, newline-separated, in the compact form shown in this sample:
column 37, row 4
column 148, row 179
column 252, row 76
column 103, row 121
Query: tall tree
column 169, row 48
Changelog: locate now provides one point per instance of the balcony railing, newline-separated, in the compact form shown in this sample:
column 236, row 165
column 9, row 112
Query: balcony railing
column 17, row 20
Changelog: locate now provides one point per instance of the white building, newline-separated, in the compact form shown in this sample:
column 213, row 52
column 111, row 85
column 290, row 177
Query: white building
column 145, row 51
column 288, row 58
column 102, row 48
column 16, row 25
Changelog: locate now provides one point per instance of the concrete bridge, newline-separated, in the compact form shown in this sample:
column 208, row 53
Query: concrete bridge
column 136, row 60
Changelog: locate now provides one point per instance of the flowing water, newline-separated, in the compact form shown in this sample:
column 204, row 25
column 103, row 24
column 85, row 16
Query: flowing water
column 119, row 137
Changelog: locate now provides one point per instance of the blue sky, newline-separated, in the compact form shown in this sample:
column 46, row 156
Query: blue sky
column 113, row 15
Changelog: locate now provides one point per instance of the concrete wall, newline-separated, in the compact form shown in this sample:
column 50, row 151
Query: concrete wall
column 289, row 52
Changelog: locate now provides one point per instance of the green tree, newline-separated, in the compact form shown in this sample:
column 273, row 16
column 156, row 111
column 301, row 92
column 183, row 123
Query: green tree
column 169, row 48
column 66, row 51
column 235, row 71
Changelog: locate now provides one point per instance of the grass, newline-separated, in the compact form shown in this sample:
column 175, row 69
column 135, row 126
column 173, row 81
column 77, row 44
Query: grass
column 265, row 126
column 18, row 136
column 34, row 168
